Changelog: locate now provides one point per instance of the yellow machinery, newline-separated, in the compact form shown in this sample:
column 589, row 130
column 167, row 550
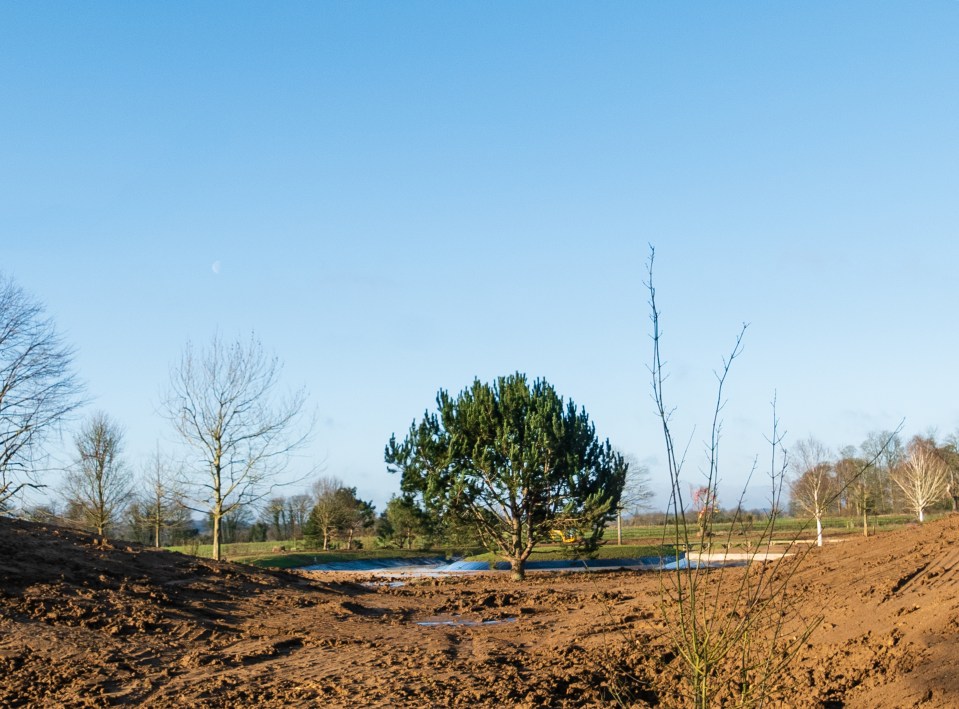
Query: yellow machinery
column 566, row 536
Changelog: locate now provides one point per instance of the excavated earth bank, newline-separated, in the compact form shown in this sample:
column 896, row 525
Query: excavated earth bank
column 89, row 624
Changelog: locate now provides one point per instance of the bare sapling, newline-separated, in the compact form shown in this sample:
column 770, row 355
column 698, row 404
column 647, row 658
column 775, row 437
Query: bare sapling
column 731, row 616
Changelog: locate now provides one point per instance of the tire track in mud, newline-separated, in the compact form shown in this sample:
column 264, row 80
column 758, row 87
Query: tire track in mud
column 941, row 572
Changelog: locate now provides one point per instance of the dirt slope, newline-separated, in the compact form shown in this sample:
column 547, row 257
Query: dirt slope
column 84, row 624
column 890, row 637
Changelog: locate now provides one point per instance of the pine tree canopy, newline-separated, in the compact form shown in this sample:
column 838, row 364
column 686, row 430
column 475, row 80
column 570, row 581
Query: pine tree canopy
column 515, row 462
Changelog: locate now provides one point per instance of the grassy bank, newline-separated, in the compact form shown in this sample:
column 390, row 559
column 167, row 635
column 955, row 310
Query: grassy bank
column 292, row 560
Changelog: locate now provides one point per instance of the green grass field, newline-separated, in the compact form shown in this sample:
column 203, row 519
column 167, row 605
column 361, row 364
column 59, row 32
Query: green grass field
column 638, row 541
column 234, row 551
column 786, row 528
column 294, row 560
column 261, row 553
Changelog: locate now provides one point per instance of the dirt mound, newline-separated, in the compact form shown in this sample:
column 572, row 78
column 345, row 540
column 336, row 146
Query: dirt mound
column 890, row 631
column 87, row 622
column 90, row 624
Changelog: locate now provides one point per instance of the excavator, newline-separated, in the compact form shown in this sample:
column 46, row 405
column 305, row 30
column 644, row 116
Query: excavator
column 566, row 536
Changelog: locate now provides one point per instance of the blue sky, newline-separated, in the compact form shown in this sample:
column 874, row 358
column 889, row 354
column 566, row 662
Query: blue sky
column 402, row 196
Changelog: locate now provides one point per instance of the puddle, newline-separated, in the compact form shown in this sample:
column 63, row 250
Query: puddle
column 381, row 584
column 465, row 622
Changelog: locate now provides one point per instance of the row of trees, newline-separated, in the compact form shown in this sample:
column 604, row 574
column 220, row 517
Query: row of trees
column 882, row 476
column 223, row 401
column 505, row 464
column 331, row 514
column 101, row 494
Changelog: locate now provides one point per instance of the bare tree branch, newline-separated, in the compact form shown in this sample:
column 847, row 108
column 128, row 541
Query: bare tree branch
column 38, row 389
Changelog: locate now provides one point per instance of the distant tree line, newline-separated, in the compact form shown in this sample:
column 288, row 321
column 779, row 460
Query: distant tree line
column 881, row 476
column 501, row 465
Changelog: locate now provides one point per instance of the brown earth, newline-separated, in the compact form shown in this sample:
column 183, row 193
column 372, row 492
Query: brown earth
column 90, row 624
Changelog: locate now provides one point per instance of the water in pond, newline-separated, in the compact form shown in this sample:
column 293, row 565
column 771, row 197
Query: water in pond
column 441, row 567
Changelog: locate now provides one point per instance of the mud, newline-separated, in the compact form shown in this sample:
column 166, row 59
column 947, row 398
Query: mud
column 84, row 623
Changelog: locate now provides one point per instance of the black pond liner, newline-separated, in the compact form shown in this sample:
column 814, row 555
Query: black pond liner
column 641, row 563
column 433, row 563
column 440, row 565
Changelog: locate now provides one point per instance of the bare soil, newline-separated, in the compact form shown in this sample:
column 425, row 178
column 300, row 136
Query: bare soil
column 85, row 623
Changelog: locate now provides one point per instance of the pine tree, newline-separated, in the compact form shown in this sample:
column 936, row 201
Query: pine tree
column 513, row 461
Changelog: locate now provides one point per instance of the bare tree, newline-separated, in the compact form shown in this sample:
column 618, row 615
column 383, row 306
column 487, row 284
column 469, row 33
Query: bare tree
column 286, row 516
column 98, row 484
column 886, row 448
column 950, row 453
column 329, row 511
column 160, row 505
column 221, row 402
column 38, row 389
column 923, row 479
column 275, row 513
column 636, row 492
column 854, row 476
column 814, row 487
column 297, row 511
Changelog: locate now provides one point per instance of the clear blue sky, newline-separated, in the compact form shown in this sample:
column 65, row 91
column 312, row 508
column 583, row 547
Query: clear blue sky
column 402, row 196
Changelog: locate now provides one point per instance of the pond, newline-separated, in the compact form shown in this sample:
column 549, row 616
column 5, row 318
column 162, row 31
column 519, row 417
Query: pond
column 437, row 566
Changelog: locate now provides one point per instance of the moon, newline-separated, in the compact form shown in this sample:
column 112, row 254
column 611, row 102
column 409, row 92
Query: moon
column 216, row 268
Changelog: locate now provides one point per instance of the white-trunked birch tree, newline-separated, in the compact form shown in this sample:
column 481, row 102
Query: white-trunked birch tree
column 923, row 478
column 223, row 402
column 814, row 487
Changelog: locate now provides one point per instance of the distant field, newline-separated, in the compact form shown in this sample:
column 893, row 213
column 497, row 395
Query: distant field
column 241, row 550
column 786, row 528
column 638, row 541
column 261, row 553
